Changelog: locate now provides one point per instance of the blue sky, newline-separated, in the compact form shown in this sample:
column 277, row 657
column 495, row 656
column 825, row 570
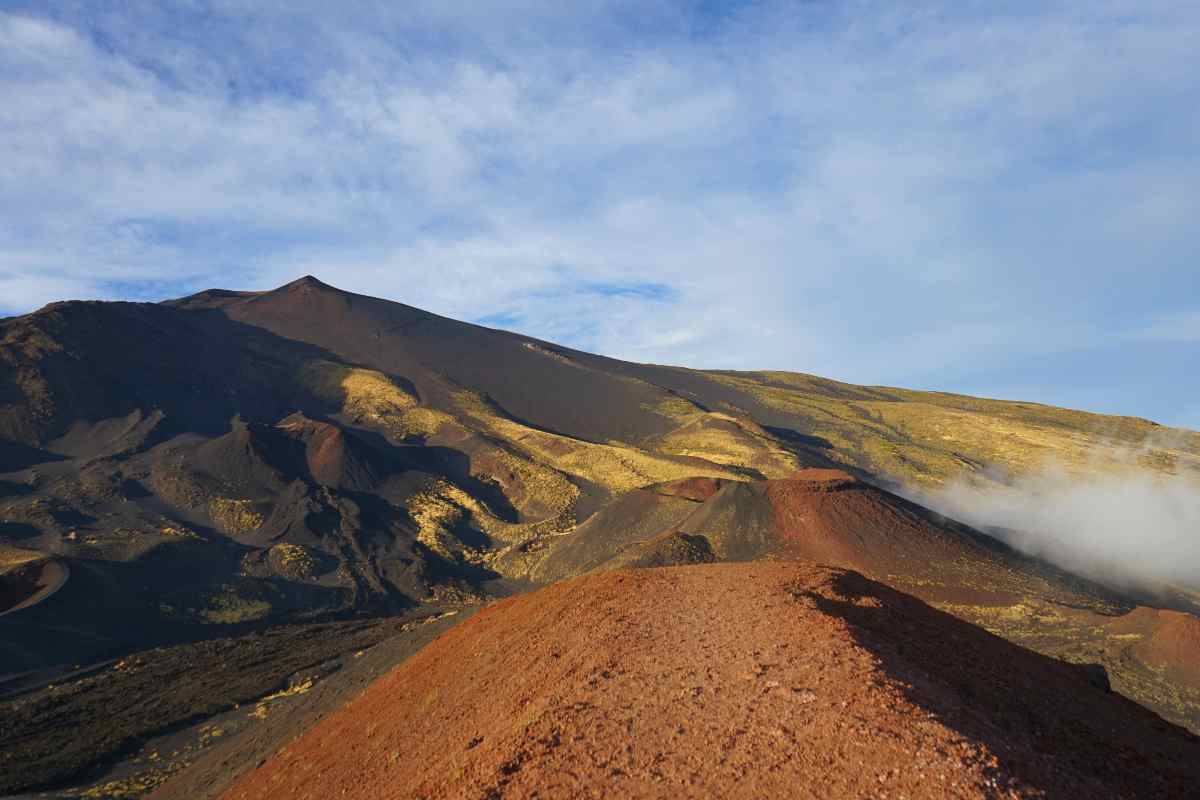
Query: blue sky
column 991, row 198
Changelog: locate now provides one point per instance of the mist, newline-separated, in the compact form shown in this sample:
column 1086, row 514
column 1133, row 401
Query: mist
column 1131, row 529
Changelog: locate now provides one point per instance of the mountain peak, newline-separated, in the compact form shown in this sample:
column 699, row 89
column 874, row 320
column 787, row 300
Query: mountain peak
column 308, row 282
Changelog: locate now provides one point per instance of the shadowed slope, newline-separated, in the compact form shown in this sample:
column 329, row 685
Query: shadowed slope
column 102, row 375
column 30, row 583
column 746, row 680
column 513, row 370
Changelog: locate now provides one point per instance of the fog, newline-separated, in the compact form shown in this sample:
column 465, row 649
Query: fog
column 1129, row 529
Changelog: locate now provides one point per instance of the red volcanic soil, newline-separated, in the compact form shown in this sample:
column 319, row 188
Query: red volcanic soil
column 824, row 479
column 730, row 680
column 698, row 489
column 807, row 508
column 1170, row 641
column 331, row 459
column 829, row 516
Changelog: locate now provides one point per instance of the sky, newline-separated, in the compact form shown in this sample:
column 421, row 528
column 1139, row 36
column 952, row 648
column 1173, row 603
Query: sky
column 992, row 198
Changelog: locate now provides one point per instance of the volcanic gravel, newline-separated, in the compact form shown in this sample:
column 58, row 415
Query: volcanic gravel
column 730, row 680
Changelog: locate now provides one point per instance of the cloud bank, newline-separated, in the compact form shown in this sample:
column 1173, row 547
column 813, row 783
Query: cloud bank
column 1128, row 529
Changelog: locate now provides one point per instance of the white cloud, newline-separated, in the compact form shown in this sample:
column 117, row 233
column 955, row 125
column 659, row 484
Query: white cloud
column 885, row 194
column 1128, row 528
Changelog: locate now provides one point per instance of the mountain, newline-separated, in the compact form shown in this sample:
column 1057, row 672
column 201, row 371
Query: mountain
column 730, row 680
column 220, row 465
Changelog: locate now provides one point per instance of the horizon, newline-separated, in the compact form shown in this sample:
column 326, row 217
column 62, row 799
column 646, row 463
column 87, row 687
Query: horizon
column 991, row 202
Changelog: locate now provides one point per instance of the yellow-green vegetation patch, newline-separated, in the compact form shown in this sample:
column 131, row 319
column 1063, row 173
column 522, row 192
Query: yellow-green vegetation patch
column 438, row 509
column 416, row 422
column 930, row 437
column 210, row 732
column 234, row 516
column 731, row 441
column 228, row 607
column 293, row 560
column 1177, row 702
column 994, row 617
column 13, row 557
column 136, row 786
column 359, row 392
column 177, row 531
column 615, row 466
column 370, row 397
column 674, row 408
column 527, row 484
column 263, row 706
column 442, row 511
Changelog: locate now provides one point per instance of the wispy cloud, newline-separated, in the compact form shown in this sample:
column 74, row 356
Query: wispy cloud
column 938, row 194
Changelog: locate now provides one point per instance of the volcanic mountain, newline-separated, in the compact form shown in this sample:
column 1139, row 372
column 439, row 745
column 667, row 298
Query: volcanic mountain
column 219, row 465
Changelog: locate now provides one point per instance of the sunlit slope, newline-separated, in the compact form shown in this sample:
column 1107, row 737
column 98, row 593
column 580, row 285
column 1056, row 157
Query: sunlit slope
column 929, row 437
column 245, row 457
column 769, row 422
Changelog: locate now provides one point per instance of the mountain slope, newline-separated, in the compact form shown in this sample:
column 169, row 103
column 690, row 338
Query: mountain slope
column 921, row 436
column 313, row 450
column 746, row 680
column 222, row 463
